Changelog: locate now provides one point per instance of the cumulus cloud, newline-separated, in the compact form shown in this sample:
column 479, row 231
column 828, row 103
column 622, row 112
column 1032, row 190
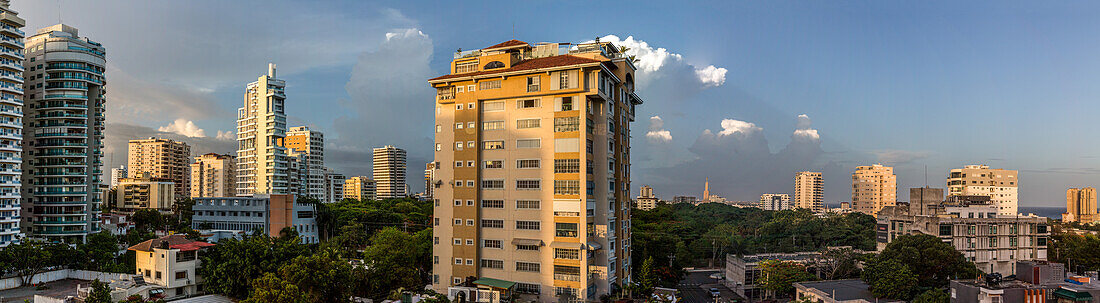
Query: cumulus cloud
column 184, row 127
column 711, row 76
column 119, row 134
column 731, row 127
column 803, row 130
column 657, row 133
column 658, row 66
column 225, row 135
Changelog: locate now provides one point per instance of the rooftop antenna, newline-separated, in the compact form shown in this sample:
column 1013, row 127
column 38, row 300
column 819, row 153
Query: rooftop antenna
column 926, row 175
column 59, row 12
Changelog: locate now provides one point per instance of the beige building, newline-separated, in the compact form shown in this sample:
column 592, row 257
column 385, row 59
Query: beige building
column 171, row 263
column 261, row 129
column 214, row 175
column 161, row 158
column 646, row 199
column 429, row 175
column 359, row 188
column 873, row 187
column 145, row 192
column 309, row 146
column 1080, row 205
column 809, row 191
column 1000, row 185
column 532, row 147
column 774, row 202
column 389, row 172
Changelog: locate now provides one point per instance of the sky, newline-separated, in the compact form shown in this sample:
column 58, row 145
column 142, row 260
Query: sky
column 746, row 93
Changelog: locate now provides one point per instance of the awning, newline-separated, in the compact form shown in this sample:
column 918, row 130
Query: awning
column 560, row 244
column 495, row 283
column 594, row 246
column 1072, row 295
column 519, row 241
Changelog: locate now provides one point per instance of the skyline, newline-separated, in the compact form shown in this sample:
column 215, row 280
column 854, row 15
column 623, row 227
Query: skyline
column 1029, row 76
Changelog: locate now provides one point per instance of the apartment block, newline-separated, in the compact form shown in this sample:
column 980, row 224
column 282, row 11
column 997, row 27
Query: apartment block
column 334, row 186
column 309, row 146
column 994, row 242
column 261, row 132
column 809, row 191
column 116, row 174
column 774, row 202
column 11, row 123
column 979, row 180
column 266, row 213
column 359, row 188
column 532, row 146
column 65, row 98
column 214, row 175
column 429, row 176
column 162, row 158
column 1080, row 205
column 873, row 187
column 144, row 191
column 389, row 172
column 646, row 199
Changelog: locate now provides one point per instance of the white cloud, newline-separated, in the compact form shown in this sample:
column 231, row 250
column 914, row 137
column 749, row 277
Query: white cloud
column 184, row 127
column 225, row 135
column 657, row 62
column 711, row 76
column 807, row 133
column 897, row 157
column 657, row 133
column 731, row 126
column 803, row 130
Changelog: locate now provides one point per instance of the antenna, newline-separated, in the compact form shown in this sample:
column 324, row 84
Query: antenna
column 926, row 175
column 59, row 12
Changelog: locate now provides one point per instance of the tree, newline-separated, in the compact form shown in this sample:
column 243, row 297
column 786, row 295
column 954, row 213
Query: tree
column 101, row 293
column 183, row 212
column 271, row 288
column 932, row 296
column 27, row 259
column 230, row 267
column 324, row 276
column 934, row 262
column 100, row 253
column 839, row 263
column 393, row 260
column 890, row 279
column 779, row 276
column 648, row 276
column 148, row 220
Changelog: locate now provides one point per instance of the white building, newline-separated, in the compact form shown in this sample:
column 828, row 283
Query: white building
column 334, row 186
column 117, row 174
column 309, row 145
column 1000, row 185
column 172, row 263
column 261, row 131
column 775, row 202
column 389, row 172
column 11, row 122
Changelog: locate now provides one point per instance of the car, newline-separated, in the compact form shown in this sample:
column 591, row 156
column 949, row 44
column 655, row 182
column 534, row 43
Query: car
column 714, row 292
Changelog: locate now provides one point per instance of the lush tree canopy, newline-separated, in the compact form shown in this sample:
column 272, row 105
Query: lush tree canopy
column 779, row 276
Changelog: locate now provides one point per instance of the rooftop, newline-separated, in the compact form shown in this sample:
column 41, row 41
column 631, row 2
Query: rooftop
column 170, row 242
column 843, row 290
column 537, row 63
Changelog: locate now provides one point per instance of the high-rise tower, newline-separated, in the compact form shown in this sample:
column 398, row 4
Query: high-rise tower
column 161, row 158
column 309, row 146
column 389, row 172
column 532, row 148
column 261, row 130
column 63, row 133
column 11, row 122
column 873, row 187
column 1080, row 205
column 808, row 191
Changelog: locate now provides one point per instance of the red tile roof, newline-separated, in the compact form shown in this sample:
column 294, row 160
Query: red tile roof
column 508, row 43
column 546, row 62
column 173, row 242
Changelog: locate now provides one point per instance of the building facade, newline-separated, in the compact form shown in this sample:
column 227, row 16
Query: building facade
column 261, row 132
column 532, row 147
column 873, row 187
column 63, row 122
column 925, row 201
column 116, row 174
column 429, row 176
column 171, row 262
column 979, row 180
column 359, row 188
column 1080, row 205
column 144, row 191
column 11, row 123
column 809, row 191
column 162, row 158
column 310, row 144
column 266, row 213
column 214, row 175
column 334, row 186
column 774, row 202
column 389, row 172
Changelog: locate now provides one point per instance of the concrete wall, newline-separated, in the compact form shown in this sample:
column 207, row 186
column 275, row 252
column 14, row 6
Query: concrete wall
column 61, row 274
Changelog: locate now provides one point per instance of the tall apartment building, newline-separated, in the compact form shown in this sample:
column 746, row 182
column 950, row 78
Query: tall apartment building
column 389, row 172
column 774, row 202
column 261, row 130
column 214, row 175
column 532, row 143
column 809, row 190
column 162, row 158
column 359, row 188
column 116, row 174
column 143, row 191
column 429, row 177
column 980, row 180
column 310, row 144
column 1080, row 205
column 646, row 199
column 334, row 186
column 11, row 123
column 63, row 134
column 873, row 187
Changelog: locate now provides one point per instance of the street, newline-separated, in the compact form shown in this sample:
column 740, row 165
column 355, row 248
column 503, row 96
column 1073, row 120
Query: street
column 696, row 285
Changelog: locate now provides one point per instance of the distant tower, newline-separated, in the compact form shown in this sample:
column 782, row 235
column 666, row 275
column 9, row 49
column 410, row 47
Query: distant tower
column 706, row 191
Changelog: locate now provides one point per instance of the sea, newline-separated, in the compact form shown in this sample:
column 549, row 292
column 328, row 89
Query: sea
column 1042, row 211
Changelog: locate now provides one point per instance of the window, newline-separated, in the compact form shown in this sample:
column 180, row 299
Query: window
column 564, row 104
column 529, row 103
column 528, row 123
column 527, row 204
column 438, row 128
column 567, row 187
column 470, row 88
column 567, row 166
column 527, row 225
column 458, row 221
column 528, row 184
column 459, row 89
column 563, row 80
column 458, row 163
column 565, row 230
column 466, row 67
column 492, row 125
column 567, row 145
column 527, row 247
column 489, row 145
column 496, row 106
column 492, row 203
column 567, row 124
column 528, row 143
column 469, row 261
column 445, row 93
column 492, row 184
column 494, row 64
column 470, row 222
column 459, row 125
column 527, row 163
column 458, row 202
column 567, row 273
column 567, row 254
column 494, row 84
column 945, row 229
column 1041, row 241
column 492, row 244
column 494, row 164
column 527, row 266
column 528, row 288
column 180, row 275
column 469, row 183
column 158, row 275
column 470, row 125
column 469, row 241
column 494, row 264
column 532, row 84
column 438, row 147
column 491, row 223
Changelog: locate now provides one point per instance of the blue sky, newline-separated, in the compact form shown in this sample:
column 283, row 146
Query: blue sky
column 934, row 84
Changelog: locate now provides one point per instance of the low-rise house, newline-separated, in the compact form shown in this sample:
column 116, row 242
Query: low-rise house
column 170, row 262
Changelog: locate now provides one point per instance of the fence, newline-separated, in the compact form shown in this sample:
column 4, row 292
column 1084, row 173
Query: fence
column 61, row 274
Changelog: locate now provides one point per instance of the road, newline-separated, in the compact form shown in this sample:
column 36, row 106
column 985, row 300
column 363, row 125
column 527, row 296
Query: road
column 696, row 285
